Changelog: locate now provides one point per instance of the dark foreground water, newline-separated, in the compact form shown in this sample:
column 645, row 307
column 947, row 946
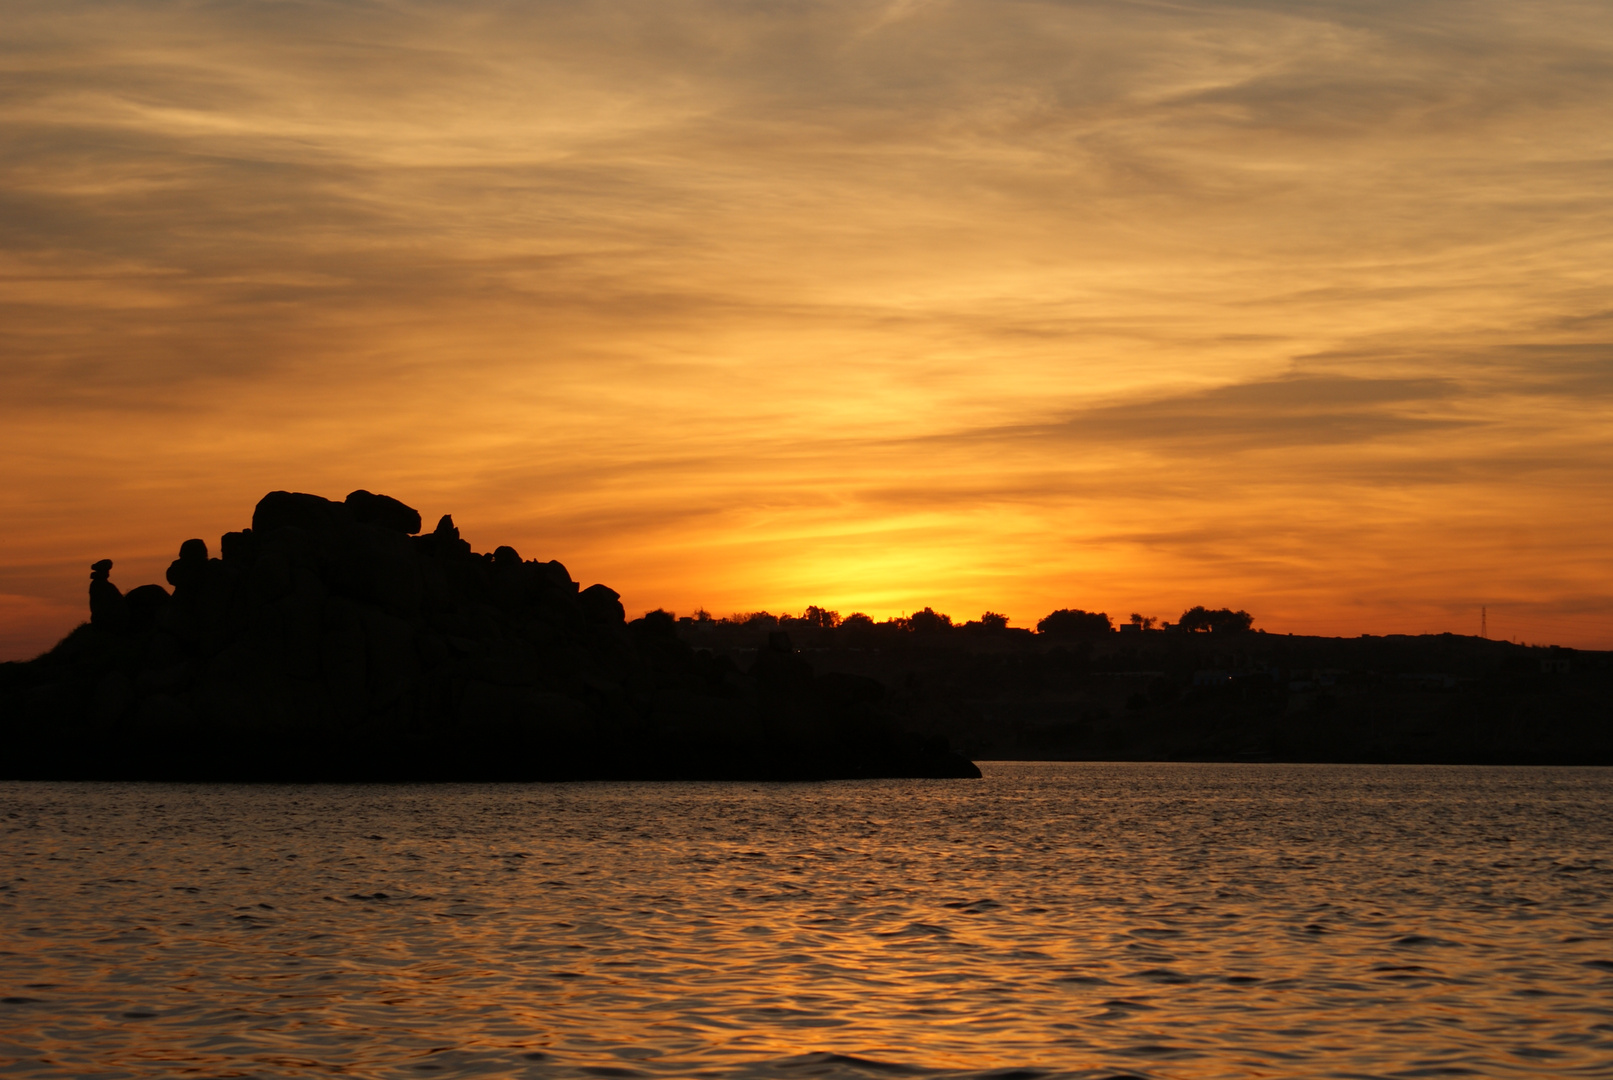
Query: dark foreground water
column 1050, row 920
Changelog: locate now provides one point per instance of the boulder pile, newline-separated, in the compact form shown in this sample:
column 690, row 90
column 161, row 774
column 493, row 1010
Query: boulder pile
column 336, row 641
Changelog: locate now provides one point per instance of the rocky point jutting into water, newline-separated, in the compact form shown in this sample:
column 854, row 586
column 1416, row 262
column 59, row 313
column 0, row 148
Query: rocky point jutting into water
column 332, row 641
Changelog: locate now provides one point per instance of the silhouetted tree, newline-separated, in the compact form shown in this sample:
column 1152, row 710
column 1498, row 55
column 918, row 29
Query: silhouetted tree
column 755, row 620
column 993, row 621
column 658, row 623
column 929, row 621
column 1200, row 620
column 1143, row 622
column 857, row 621
column 817, row 616
column 1073, row 622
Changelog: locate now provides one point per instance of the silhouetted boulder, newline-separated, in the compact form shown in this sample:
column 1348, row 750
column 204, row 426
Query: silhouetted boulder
column 444, row 539
column 383, row 511
column 188, row 572
column 109, row 610
column 602, row 605
column 145, row 604
column 280, row 509
column 238, row 547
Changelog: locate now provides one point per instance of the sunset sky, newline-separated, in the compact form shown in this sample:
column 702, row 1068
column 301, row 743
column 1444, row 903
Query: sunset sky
column 1301, row 307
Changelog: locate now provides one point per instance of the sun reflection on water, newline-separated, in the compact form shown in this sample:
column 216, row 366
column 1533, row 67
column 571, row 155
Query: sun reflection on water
column 1060, row 920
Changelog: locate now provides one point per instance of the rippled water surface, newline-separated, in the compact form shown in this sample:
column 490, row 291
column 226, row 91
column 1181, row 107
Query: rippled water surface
column 1049, row 920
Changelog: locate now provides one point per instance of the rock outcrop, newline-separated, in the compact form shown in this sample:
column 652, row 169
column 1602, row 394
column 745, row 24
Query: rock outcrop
column 334, row 641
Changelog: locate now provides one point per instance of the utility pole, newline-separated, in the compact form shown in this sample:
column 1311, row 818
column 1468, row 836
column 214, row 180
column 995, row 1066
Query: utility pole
column 1484, row 622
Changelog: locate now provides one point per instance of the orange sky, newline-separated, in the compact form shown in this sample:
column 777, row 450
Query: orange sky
column 1305, row 308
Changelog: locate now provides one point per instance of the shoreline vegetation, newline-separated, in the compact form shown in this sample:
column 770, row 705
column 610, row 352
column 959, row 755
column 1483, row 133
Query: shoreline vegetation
column 336, row 641
column 1210, row 687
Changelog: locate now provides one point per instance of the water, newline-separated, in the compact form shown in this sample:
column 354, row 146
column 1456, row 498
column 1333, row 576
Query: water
column 1182, row 921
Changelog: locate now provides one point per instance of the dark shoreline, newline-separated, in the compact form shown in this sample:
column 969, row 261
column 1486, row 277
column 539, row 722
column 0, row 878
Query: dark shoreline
column 1010, row 695
column 337, row 641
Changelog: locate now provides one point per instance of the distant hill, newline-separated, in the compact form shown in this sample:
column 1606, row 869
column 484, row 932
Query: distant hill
column 1171, row 695
column 333, row 641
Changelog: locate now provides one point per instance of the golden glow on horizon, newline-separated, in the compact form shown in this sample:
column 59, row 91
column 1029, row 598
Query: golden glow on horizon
column 1023, row 306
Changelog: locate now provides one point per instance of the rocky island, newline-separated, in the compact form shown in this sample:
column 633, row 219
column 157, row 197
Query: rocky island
column 336, row 641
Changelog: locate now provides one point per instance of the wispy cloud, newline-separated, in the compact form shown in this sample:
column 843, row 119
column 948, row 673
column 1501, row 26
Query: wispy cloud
column 761, row 304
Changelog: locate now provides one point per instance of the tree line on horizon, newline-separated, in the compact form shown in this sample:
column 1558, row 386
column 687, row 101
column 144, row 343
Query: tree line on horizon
column 1065, row 622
